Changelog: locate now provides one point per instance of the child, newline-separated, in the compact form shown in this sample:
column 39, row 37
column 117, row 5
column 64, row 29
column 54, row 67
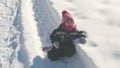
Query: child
column 62, row 38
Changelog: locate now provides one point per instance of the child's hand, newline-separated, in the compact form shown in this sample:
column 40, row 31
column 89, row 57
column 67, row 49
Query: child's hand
column 82, row 40
column 46, row 49
column 83, row 34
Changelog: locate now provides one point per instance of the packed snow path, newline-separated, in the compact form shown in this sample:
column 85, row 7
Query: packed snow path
column 26, row 29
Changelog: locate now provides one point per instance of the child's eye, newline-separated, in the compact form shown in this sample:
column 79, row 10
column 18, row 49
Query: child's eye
column 70, row 22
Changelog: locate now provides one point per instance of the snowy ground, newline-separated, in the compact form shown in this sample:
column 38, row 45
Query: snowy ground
column 25, row 26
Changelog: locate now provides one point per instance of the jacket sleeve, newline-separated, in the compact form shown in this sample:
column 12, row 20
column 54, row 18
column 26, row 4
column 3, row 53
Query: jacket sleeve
column 53, row 36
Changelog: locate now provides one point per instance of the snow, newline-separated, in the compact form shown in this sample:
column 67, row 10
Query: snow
column 25, row 26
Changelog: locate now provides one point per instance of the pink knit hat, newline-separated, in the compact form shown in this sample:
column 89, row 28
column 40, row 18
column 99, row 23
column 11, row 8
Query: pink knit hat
column 66, row 16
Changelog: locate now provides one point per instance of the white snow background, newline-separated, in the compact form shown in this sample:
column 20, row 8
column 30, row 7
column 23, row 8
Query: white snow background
column 25, row 26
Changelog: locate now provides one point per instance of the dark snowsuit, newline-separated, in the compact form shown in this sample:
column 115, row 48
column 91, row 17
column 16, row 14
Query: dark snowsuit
column 65, row 39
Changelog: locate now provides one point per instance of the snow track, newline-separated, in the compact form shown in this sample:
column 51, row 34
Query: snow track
column 30, row 41
column 10, row 34
column 47, row 20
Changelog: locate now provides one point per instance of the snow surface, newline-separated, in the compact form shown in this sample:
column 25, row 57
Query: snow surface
column 25, row 26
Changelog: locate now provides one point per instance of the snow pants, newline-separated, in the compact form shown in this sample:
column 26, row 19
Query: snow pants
column 63, row 51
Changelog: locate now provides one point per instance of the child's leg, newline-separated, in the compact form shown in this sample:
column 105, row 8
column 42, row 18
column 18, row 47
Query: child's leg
column 69, row 50
column 54, row 54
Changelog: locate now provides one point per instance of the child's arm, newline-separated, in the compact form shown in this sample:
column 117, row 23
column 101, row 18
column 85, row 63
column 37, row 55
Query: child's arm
column 54, row 39
column 53, row 36
column 81, row 37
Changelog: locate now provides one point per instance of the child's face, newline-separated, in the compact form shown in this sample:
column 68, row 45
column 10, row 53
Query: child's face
column 68, row 23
